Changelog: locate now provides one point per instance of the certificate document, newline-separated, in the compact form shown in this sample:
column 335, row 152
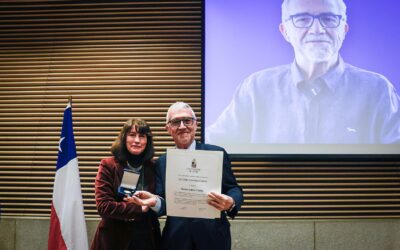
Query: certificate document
column 190, row 176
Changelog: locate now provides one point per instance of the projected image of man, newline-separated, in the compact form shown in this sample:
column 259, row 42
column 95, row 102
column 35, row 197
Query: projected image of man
column 318, row 98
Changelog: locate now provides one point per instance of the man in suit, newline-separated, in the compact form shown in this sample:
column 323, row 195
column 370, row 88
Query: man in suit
column 193, row 233
column 182, row 233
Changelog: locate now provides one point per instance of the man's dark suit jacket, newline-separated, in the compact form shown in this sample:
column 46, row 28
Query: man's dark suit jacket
column 192, row 233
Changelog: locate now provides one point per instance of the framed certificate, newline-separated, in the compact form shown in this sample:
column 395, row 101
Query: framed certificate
column 190, row 176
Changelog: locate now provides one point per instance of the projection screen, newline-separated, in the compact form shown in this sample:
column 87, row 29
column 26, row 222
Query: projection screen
column 357, row 109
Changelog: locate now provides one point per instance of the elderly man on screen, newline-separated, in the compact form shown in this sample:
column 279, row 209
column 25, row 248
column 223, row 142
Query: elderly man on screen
column 182, row 233
column 316, row 99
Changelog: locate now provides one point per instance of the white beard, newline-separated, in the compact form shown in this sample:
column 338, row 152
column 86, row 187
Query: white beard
column 317, row 54
column 319, row 51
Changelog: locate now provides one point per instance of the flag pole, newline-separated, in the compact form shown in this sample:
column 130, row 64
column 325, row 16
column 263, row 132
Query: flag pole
column 67, row 218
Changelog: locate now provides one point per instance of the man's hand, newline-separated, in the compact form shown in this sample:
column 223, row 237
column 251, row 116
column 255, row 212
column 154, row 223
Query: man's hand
column 142, row 198
column 221, row 202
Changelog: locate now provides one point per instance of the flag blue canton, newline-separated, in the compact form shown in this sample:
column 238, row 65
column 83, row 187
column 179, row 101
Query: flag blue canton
column 67, row 148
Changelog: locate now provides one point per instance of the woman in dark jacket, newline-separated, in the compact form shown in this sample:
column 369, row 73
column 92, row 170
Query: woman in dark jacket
column 125, row 225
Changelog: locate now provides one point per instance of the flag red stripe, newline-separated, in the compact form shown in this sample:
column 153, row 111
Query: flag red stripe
column 56, row 241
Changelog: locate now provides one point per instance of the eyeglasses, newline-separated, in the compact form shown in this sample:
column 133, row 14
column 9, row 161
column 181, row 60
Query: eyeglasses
column 306, row 20
column 187, row 121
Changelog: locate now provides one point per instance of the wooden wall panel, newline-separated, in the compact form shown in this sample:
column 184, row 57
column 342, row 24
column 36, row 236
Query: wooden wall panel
column 122, row 59
column 117, row 59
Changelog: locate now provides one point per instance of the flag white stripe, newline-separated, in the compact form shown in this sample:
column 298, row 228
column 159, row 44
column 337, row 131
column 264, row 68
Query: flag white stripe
column 67, row 200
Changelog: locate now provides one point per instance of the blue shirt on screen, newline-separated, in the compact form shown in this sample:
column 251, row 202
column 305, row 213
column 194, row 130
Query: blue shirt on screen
column 347, row 105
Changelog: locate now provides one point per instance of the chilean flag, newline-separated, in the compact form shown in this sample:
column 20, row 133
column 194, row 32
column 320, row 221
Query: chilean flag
column 67, row 222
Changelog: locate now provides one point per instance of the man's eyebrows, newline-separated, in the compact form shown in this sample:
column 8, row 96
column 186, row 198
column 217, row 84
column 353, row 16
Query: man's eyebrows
column 308, row 13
